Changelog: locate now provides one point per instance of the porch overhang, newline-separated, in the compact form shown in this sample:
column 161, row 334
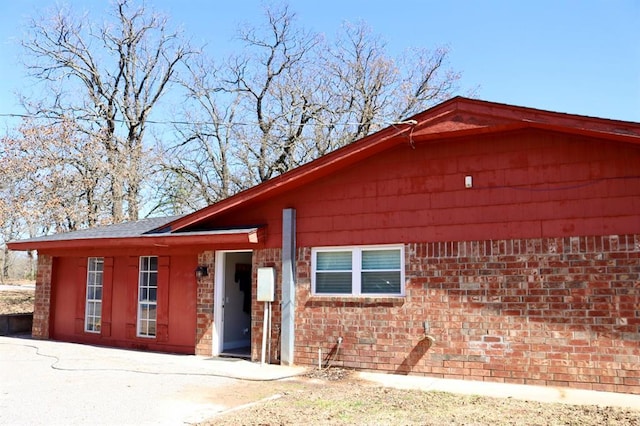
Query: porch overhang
column 253, row 235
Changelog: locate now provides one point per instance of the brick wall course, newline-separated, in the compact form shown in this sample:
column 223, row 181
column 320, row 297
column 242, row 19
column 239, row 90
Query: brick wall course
column 549, row 311
column 268, row 258
column 42, row 305
column 205, row 305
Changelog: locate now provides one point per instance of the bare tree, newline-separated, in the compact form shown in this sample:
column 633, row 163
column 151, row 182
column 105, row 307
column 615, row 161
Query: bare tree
column 290, row 97
column 203, row 166
column 370, row 89
column 108, row 80
column 54, row 177
column 52, row 180
column 249, row 117
column 361, row 74
column 213, row 128
column 9, row 230
column 14, row 199
column 15, row 190
column 270, row 81
column 424, row 81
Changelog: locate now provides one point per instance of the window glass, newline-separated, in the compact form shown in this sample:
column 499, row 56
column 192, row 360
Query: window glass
column 358, row 271
column 93, row 306
column 333, row 282
column 334, row 261
column 147, row 296
column 381, row 282
column 380, row 259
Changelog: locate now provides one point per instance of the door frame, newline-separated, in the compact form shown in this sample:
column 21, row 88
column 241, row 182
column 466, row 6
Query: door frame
column 217, row 335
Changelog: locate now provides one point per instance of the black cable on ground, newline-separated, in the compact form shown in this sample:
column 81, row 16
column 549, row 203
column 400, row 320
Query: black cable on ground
column 154, row 373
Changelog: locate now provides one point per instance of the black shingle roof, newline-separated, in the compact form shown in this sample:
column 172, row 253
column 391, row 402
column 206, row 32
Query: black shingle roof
column 120, row 230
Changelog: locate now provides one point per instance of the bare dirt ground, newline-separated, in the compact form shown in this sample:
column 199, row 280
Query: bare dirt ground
column 337, row 397
column 18, row 301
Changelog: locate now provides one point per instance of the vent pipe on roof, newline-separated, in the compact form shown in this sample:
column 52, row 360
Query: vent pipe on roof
column 412, row 122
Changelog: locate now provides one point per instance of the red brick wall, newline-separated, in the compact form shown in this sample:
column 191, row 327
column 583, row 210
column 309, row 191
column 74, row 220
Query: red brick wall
column 268, row 258
column 204, row 305
column 42, row 305
column 550, row 311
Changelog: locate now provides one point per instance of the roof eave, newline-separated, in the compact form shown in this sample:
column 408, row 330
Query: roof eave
column 249, row 236
column 522, row 125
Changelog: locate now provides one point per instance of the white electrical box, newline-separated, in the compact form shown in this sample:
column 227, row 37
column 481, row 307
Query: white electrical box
column 266, row 284
column 468, row 182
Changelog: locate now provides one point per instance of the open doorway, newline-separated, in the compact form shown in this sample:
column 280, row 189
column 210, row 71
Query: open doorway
column 233, row 303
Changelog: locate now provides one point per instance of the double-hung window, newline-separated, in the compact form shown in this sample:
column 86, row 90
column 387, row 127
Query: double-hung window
column 147, row 296
column 358, row 271
column 93, row 307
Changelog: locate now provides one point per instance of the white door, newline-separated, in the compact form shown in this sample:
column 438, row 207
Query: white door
column 232, row 308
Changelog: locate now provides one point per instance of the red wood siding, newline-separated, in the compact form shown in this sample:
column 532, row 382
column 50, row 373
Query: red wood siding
column 176, row 330
column 525, row 185
column 65, row 292
column 182, row 301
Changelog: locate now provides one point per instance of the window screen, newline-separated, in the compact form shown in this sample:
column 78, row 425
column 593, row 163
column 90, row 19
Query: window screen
column 333, row 272
column 381, row 271
column 147, row 296
column 93, row 306
column 358, row 271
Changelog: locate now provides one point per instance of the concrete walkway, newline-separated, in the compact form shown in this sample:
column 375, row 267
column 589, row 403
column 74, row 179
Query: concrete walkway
column 46, row 382
column 56, row 383
column 75, row 357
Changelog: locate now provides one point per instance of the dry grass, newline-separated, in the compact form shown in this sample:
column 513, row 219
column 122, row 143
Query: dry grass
column 18, row 301
column 348, row 401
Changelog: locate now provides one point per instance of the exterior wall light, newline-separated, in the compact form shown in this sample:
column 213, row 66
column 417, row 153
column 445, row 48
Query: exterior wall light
column 201, row 272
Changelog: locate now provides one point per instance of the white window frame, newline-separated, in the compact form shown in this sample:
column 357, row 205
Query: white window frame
column 95, row 276
column 144, row 322
column 356, row 269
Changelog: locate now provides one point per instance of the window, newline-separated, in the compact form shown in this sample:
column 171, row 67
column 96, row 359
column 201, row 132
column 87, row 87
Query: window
column 93, row 309
column 147, row 296
column 358, row 271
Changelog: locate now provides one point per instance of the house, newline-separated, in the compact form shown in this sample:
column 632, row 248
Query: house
column 474, row 241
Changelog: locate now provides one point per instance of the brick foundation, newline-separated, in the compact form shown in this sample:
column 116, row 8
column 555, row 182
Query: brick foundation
column 551, row 311
column 42, row 306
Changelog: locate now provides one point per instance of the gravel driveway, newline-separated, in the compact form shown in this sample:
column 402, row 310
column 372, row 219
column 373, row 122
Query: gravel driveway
column 44, row 382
